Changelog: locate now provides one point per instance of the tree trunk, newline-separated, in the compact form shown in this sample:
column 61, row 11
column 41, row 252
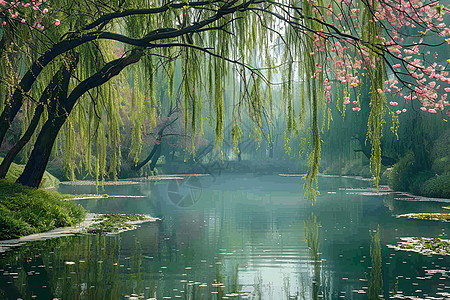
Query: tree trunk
column 366, row 150
column 149, row 157
column 7, row 161
column 58, row 113
column 51, row 92
column 156, row 156
column 35, row 168
column 12, row 107
column 63, row 105
column 157, row 147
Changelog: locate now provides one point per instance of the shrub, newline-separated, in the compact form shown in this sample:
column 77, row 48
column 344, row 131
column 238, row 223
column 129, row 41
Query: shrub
column 401, row 174
column 440, row 154
column 385, row 176
column 437, row 187
column 442, row 165
column 417, row 181
column 10, row 227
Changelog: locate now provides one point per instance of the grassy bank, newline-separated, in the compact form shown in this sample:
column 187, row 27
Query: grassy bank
column 15, row 170
column 25, row 211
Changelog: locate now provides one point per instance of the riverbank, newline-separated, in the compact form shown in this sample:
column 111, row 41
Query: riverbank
column 25, row 211
column 48, row 180
column 92, row 224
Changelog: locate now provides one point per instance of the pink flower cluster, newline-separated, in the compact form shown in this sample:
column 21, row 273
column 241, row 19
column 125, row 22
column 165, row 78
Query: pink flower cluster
column 415, row 73
column 13, row 9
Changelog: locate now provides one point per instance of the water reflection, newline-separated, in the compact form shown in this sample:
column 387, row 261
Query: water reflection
column 67, row 268
column 376, row 276
column 245, row 238
column 312, row 238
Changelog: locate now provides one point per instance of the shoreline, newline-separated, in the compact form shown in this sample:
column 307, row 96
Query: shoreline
column 90, row 220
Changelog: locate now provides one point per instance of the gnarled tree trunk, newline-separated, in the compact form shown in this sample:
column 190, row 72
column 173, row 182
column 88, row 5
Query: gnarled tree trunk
column 35, row 167
column 51, row 92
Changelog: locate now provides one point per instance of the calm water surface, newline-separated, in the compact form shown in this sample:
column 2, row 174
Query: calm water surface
column 234, row 237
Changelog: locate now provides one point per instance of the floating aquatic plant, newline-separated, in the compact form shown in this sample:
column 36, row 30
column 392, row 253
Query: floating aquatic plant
column 428, row 216
column 115, row 223
column 424, row 246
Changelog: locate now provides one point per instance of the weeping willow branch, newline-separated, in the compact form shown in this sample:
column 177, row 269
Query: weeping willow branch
column 60, row 111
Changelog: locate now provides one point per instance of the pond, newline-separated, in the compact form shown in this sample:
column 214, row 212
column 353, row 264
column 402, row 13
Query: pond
column 236, row 237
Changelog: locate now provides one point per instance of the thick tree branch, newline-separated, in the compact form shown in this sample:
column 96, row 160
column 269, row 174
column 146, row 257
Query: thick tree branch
column 134, row 12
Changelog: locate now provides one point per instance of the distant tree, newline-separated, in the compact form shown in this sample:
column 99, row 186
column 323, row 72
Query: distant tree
column 327, row 47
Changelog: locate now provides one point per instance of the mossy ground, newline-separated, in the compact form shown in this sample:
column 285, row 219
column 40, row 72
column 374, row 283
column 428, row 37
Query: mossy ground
column 15, row 170
column 114, row 223
column 25, row 211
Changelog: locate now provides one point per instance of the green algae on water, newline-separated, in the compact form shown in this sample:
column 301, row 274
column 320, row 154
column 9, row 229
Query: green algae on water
column 425, row 246
column 428, row 216
column 116, row 223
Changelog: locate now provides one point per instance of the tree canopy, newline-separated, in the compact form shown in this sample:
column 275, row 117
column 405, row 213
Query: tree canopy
column 89, row 65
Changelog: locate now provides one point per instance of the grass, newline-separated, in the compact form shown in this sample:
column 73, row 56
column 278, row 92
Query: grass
column 15, row 170
column 113, row 223
column 25, row 211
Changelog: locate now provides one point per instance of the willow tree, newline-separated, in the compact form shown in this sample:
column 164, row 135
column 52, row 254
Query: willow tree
column 319, row 50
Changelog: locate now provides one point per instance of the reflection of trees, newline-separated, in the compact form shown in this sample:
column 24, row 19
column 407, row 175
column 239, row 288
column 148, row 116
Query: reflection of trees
column 376, row 276
column 83, row 267
column 312, row 238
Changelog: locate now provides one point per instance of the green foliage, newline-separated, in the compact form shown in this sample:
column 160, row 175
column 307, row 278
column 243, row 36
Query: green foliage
column 112, row 223
column 441, row 165
column 438, row 186
column 11, row 227
column 218, row 35
column 356, row 168
column 25, row 211
column 405, row 177
column 15, row 170
column 401, row 174
column 378, row 99
column 440, row 155
column 418, row 180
